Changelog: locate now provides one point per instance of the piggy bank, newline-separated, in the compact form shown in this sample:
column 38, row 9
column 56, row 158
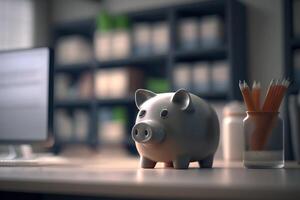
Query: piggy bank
column 175, row 128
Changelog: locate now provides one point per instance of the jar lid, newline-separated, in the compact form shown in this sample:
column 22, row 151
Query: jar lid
column 234, row 108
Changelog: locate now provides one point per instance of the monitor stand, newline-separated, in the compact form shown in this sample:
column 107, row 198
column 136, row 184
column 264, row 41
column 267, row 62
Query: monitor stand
column 22, row 155
column 17, row 155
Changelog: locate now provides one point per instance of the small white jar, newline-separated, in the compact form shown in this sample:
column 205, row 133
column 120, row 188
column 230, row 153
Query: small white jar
column 233, row 137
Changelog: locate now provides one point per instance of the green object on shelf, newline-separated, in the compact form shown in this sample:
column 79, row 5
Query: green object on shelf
column 121, row 22
column 104, row 22
column 120, row 114
column 158, row 85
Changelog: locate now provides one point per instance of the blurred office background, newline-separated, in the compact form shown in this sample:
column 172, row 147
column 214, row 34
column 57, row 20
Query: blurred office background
column 105, row 49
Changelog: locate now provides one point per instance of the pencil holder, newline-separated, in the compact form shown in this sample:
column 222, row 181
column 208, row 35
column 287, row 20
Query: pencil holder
column 264, row 140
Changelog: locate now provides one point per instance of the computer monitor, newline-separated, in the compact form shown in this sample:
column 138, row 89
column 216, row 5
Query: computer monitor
column 26, row 98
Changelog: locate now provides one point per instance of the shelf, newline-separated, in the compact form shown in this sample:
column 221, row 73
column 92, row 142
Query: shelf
column 201, row 53
column 82, row 27
column 214, row 96
column 116, row 102
column 133, row 60
column 73, row 68
column 72, row 103
column 161, row 65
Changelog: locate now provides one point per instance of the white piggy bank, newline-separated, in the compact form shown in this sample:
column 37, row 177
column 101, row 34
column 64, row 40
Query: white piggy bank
column 175, row 128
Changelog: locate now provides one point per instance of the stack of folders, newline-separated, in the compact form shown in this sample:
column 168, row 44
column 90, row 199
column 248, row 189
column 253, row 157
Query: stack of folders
column 117, row 82
column 294, row 114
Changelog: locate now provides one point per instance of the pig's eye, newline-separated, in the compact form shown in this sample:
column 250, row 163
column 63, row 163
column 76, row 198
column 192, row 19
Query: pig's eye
column 164, row 113
column 142, row 113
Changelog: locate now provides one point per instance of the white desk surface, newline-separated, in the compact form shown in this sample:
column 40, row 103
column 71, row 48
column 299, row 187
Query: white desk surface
column 123, row 178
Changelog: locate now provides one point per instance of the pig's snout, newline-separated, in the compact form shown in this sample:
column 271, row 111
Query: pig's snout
column 147, row 132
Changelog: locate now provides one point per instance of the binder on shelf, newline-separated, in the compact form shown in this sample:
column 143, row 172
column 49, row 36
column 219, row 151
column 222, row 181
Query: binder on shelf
column 73, row 49
column 189, row 33
column 201, row 77
column 141, row 39
column 81, row 124
column 160, row 37
column 211, row 31
column 103, row 45
column 120, row 46
column 182, row 76
column 220, row 77
column 86, row 86
column 63, row 125
column 62, row 83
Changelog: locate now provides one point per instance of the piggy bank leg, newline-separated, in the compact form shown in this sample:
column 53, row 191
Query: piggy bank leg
column 168, row 165
column 181, row 162
column 146, row 163
column 207, row 162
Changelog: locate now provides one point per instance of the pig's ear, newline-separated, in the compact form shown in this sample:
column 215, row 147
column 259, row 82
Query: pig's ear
column 183, row 99
column 142, row 95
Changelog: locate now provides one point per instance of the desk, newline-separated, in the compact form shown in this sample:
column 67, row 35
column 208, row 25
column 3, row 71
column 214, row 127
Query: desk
column 110, row 179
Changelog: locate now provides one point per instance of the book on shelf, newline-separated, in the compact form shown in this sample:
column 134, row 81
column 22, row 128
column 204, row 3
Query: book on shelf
column 201, row 77
column 141, row 39
column 220, row 76
column 160, row 37
column 182, row 76
column 188, row 30
column 211, row 31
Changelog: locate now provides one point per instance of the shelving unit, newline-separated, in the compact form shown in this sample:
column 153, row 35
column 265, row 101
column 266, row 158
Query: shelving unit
column 291, row 43
column 234, row 51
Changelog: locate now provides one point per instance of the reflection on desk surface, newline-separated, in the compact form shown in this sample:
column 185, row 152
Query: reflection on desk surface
column 118, row 175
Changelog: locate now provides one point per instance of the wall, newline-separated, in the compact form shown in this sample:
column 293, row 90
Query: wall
column 265, row 40
column 70, row 10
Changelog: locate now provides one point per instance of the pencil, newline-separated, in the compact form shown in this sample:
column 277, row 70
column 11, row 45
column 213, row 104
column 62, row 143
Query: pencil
column 256, row 95
column 269, row 96
column 266, row 122
column 247, row 96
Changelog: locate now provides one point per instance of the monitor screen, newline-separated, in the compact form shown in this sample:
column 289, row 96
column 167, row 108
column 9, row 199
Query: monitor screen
column 25, row 96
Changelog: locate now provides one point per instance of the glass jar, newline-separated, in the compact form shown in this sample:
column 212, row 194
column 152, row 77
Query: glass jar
column 264, row 140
